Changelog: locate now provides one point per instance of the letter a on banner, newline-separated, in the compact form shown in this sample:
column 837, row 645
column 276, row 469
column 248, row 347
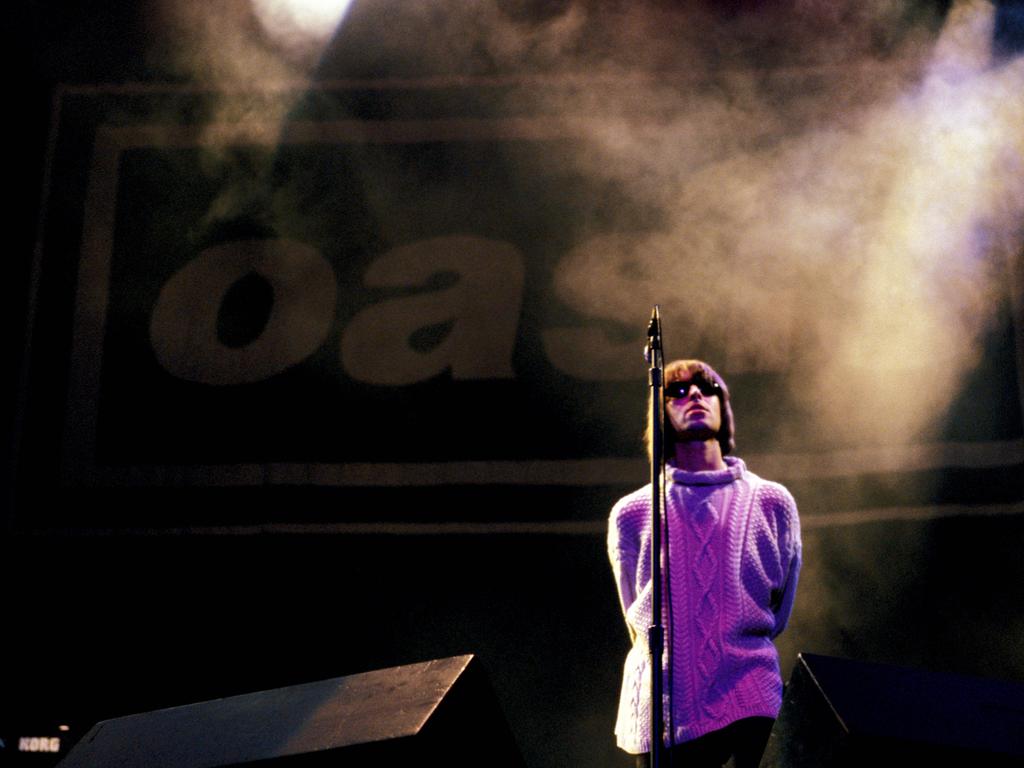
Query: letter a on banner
column 482, row 308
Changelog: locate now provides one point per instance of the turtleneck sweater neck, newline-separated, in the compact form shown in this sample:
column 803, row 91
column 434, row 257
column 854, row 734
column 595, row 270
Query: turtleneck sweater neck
column 735, row 469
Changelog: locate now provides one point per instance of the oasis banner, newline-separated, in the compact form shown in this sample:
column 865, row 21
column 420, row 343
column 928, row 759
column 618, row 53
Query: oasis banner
column 448, row 283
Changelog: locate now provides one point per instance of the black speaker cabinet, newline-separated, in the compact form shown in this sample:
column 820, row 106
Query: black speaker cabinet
column 841, row 713
column 438, row 712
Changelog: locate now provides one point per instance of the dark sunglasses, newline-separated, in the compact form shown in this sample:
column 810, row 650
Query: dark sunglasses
column 680, row 389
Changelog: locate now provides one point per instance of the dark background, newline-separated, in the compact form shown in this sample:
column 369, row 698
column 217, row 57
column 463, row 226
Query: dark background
column 130, row 596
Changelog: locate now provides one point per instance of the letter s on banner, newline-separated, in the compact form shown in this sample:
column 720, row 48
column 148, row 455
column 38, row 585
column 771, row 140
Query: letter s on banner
column 483, row 308
column 183, row 328
column 596, row 279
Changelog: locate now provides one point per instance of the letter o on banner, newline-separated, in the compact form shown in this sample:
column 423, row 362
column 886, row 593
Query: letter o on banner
column 183, row 328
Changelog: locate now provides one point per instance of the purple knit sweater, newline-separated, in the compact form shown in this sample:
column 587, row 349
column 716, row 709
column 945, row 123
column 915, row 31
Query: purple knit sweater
column 734, row 547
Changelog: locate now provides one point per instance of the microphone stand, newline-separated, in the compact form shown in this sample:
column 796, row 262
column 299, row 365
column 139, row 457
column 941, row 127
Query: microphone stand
column 656, row 632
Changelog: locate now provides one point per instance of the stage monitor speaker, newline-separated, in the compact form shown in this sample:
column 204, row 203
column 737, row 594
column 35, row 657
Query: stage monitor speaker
column 839, row 713
column 441, row 711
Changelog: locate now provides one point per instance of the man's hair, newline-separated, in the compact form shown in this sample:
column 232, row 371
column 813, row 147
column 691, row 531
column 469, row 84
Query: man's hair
column 678, row 370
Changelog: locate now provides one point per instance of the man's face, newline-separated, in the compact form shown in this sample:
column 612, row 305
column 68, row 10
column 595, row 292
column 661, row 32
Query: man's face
column 694, row 407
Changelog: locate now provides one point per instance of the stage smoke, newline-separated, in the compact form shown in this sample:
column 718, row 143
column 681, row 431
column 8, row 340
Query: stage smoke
column 838, row 187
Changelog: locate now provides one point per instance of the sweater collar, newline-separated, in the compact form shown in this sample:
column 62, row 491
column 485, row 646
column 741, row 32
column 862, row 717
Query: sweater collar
column 734, row 470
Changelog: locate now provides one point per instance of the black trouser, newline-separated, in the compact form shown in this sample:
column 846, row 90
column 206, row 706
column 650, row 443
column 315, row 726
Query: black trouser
column 743, row 741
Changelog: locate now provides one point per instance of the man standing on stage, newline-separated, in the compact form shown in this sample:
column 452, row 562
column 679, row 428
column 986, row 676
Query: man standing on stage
column 731, row 561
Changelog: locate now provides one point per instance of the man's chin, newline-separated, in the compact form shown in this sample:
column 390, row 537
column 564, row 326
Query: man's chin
column 696, row 435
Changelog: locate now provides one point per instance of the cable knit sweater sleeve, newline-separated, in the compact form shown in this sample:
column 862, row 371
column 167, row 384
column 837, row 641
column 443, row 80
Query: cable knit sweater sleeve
column 624, row 553
column 780, row 508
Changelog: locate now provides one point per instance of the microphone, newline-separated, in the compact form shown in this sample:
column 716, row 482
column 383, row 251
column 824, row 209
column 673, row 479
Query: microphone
column 653, row 334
